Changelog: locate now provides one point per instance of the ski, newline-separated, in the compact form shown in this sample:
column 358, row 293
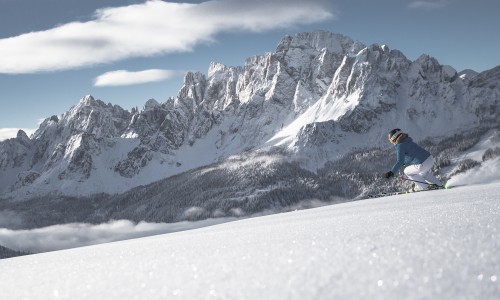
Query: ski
column 435, row 188
column 387, row 194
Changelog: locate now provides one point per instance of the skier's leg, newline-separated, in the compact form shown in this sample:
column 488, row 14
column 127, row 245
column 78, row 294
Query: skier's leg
column 427, row 165
column 414, row 173
column 422, row 173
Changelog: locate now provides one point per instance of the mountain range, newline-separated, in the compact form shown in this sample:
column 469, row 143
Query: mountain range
column 317, row 99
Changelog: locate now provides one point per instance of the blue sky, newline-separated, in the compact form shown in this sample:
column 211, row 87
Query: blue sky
column 54, row 52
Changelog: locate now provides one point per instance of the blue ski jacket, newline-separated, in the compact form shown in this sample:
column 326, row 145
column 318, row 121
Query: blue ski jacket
column 409, row 153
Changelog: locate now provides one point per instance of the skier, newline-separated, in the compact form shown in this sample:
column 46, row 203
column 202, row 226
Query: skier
column 417, row 160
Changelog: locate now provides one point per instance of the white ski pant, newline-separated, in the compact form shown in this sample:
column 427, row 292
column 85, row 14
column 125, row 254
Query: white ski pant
column 422, row 173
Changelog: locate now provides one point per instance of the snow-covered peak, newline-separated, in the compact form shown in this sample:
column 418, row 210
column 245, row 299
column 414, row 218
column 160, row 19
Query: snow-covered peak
column 319, row 40
column 88, row 98
column 467, row 74
column 193, row 78
column 23, row 137
column 428, row 63
column 94, row 117
column 216, row 67
column 385, row 48
column 489, row 78
column 151, row 104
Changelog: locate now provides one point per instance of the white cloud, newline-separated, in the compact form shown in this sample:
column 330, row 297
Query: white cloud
column 151, row 28
column 7, row 133
column 428, row 5
column 123, row 77
column 73, row 235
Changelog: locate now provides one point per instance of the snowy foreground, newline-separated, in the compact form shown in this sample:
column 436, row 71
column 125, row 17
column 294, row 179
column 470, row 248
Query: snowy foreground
column 433, row 245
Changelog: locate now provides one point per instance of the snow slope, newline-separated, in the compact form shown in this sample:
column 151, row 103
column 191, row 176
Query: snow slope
column 433, row 245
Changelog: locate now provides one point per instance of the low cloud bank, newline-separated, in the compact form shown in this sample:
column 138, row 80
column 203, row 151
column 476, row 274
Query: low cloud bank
column 73, row 235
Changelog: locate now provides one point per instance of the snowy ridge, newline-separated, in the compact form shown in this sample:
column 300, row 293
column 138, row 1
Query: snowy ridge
column 320, row 95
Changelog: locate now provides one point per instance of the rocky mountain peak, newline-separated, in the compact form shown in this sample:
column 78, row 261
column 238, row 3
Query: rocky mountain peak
column 23, row 137
column 428, row 63
column 489, row 78
column 87, row 100
column 151, row 104
column 320, row 41
column 217, row 68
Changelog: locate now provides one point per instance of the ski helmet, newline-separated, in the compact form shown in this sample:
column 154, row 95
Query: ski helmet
column 394, row 134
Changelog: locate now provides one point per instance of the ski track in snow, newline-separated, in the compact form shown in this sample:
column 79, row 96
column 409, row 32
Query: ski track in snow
column 438, row 245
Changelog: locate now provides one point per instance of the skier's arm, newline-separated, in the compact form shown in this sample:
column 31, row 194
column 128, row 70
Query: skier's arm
column 400, row 159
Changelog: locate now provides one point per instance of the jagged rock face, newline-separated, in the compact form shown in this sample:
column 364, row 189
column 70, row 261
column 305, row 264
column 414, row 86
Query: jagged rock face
column 14, row 151
column 80, row 161
column 313, row 58
column 26, row 178
column 89, row 116
column 314, row 93
column 66, row 146
column 137, row 159
column 316, row 134
column 485, row 91
column 368, row 83
column 77, row 136
column 272, row 89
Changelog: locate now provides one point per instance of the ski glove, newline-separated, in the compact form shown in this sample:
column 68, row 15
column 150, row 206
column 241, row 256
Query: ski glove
column 389, row 174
